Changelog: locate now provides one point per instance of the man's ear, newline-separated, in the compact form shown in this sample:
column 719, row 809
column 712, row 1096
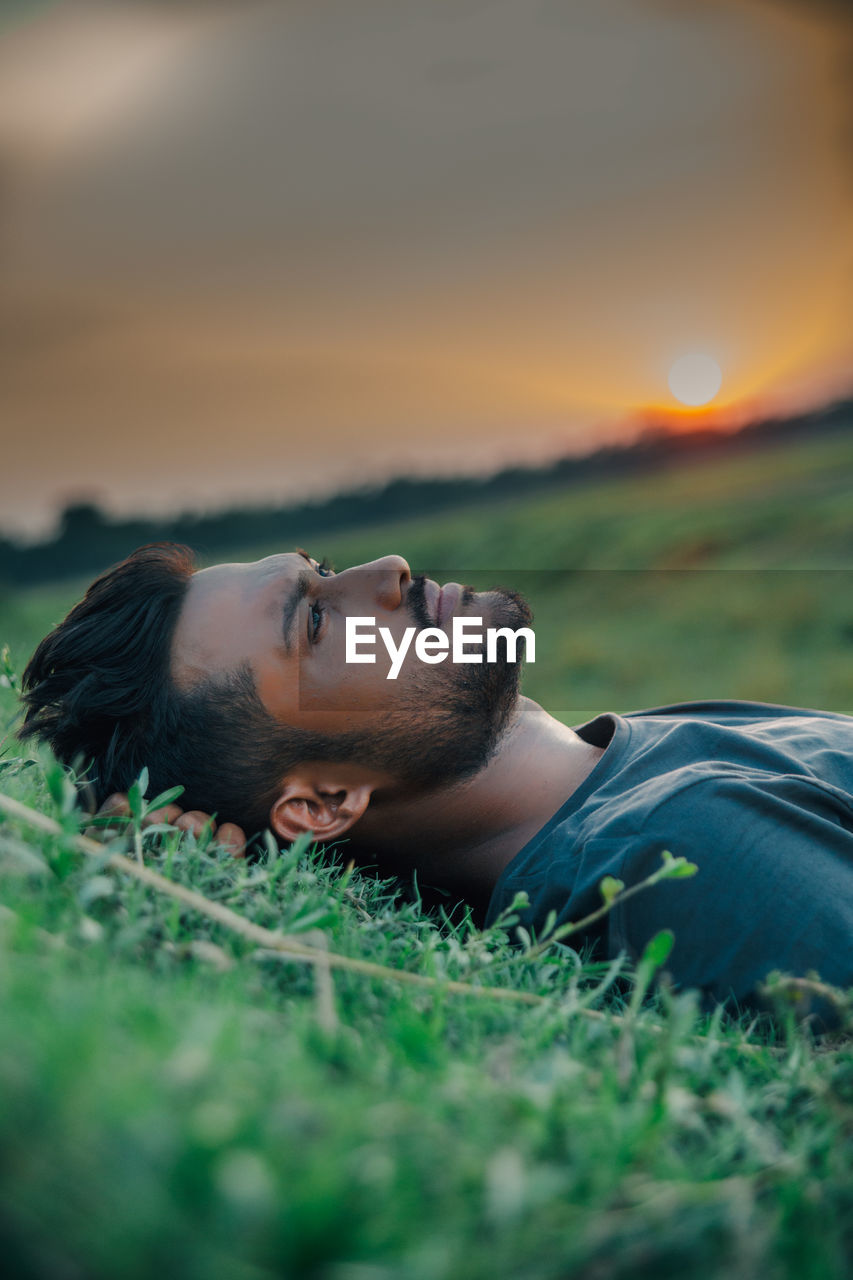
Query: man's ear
column 320, row 801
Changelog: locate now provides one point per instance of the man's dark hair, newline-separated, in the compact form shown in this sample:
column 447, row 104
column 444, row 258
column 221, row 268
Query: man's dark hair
column 97, row 688
column 99, row 691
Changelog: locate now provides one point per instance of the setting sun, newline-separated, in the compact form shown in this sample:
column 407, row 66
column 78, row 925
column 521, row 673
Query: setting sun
column 695, row 379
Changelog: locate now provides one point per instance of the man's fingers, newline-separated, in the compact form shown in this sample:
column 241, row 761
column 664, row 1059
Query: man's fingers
column 229, row 835
column 195, row 821
column 232, row 838
column 169, row 815
column 115, row 806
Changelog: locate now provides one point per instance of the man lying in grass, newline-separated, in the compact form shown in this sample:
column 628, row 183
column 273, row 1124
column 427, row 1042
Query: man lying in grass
column 233, row 682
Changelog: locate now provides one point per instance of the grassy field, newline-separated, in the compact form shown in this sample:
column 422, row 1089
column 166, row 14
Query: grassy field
column 182, row 1097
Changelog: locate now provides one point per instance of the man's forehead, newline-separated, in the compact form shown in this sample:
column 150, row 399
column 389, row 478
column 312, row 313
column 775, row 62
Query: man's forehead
column 223, row 619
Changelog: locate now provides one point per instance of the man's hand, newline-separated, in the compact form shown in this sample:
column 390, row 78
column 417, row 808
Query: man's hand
column 229, row 835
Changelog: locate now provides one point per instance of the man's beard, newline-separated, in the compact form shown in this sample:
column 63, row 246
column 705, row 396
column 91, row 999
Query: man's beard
column 445, row 723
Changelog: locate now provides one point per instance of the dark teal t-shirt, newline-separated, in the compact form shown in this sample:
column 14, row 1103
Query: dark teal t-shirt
column 759, row 796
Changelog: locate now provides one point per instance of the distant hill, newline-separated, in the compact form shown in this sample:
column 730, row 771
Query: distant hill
column 88, row 540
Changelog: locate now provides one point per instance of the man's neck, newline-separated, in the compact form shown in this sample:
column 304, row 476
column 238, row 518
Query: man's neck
column 461, row 837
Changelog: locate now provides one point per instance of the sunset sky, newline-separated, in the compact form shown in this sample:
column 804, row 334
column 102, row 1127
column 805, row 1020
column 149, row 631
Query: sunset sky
column 265, row 250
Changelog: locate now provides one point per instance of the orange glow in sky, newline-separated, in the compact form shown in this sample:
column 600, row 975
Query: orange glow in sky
column 258, row 252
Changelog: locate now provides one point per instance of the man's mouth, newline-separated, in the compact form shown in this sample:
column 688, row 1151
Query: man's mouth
column 449, row 598
column 432, row 605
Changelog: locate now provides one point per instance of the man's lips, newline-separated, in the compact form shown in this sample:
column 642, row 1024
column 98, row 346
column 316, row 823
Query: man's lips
column 446, row 601
column 440, row 603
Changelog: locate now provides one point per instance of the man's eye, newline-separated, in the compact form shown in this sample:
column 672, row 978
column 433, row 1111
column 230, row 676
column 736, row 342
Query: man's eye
column 325, row 569
column 315, row 621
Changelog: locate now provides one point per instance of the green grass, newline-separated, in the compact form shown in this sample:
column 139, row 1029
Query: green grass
column 175, row 1100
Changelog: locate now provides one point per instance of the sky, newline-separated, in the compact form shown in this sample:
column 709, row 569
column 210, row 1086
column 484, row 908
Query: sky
column 263, row 251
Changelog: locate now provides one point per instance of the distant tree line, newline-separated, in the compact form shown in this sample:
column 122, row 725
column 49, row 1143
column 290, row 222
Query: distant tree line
column 88, row 540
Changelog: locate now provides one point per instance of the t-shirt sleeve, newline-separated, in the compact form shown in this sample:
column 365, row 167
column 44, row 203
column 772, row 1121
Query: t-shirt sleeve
column 774, row 887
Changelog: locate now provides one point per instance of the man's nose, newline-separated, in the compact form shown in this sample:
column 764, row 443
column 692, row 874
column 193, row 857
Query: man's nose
column 391, row 575
column 383, row 581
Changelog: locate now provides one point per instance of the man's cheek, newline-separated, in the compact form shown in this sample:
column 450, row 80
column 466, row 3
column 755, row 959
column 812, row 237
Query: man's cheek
column 331, row 685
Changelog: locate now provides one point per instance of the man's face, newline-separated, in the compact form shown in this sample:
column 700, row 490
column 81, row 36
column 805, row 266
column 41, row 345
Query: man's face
column 285, row 618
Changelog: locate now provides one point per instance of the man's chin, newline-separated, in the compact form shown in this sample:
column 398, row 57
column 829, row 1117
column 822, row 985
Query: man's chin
column 507, row 609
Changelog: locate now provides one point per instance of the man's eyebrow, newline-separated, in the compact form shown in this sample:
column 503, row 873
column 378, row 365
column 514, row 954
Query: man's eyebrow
column 291, row 608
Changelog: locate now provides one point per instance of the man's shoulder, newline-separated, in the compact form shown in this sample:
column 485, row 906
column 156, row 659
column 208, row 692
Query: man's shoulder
column 718, row 758
column 661, row 796
column 730, row 806
column 715, row 799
